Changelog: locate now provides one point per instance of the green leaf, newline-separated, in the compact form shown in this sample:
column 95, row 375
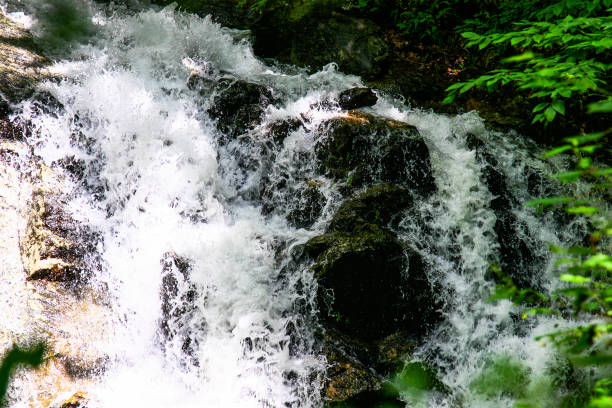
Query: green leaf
column 584, row 163
column 521, row 57
column 578, row 140
column 559, row 107
column 603, row 172
column 568, row 176
column 565, row 261
column 455, row 86
column 466, row 87
column 584, row 210
column 550, row 114
column 548, row 201
column 540, row 106
column 577, row 279
column 597, row 359
column 599, row 261
column 556, row 151
column 448, row 99
column 579, row 250
column 600, row 107
column 470, row 36
column 537, row 311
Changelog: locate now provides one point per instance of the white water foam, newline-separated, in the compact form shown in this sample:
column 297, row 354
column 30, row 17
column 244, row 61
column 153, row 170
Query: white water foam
column 169, row 188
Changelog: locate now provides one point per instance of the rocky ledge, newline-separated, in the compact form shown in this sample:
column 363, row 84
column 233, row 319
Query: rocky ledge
column 47, row 255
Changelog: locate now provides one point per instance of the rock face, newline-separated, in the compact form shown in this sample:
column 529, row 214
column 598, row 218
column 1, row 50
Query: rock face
column 21, row 67
column 373, row 287
column 363, row 148
column 54, row 245
column 239, row 106
column 46, row 255
column 374, row 295
column 355, row 44
column 178, row 303
column 517, row 259
column 43, row 283
column 371, row 284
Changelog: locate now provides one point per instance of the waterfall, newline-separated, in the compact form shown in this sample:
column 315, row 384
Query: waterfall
column 209, row 305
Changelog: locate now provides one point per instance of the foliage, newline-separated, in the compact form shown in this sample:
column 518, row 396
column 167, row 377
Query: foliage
column 31, row 356
column 562, row 59
column 428, row 21
column 562, row 62
column 502, row 376
column 585, row 270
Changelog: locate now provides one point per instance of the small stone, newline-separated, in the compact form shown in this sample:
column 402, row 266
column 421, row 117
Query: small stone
column 78, row 400
column 356, row 98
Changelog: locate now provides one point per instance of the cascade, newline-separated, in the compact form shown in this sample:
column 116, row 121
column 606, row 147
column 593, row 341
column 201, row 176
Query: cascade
column 197, row 225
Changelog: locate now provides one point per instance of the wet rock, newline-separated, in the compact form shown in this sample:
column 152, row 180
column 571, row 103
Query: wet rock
column 9, row 130
column 280, row 129
column 21, row 64
column 356, row 374
column 77, row 368
column 517, row 259
column 239, row 105
column 178, row 297
column 371, row 284
column 55, row 247
column 228, row 13
column 356, row 98
column 308, row 207
column 364, row 148
column 393, row 350
column 347, row 376
column 78, row 400
column 379, row 204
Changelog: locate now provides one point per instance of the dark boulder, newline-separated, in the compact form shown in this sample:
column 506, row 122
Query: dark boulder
column 280, row 129
column 356, row 98
column 347, row 375
column 364, row 148
column 517, row 258
column 178, row 297
column 371, row 284
column 307, row 207
column 379, row 204
column 239, row 106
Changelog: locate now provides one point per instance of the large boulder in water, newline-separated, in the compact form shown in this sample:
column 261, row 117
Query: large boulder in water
column 238, row 105
column 371, row 284
column 362, row 148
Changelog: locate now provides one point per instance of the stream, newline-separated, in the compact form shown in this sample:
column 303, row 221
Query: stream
column 210, row 307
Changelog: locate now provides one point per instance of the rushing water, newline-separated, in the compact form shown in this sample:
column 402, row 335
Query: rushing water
column 172, row 204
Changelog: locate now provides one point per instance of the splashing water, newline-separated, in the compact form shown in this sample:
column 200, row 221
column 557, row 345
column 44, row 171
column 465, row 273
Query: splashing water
column 178, row 221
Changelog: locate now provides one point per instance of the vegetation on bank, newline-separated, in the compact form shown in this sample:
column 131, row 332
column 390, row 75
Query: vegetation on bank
column 30, row 357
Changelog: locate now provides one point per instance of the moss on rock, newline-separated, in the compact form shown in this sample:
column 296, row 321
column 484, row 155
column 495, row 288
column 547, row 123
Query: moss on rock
column 362, row 148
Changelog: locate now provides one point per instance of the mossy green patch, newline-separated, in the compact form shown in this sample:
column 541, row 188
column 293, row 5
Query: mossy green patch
column 502, row 376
